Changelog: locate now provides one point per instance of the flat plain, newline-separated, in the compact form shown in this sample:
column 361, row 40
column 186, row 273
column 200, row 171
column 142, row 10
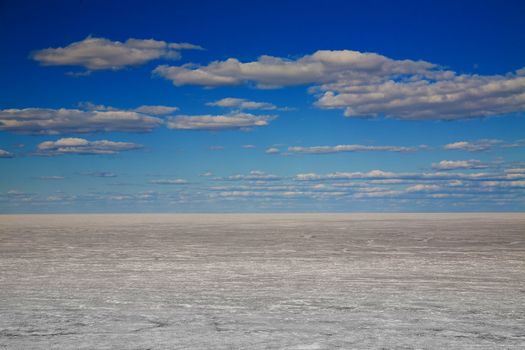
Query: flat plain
column 262, row 281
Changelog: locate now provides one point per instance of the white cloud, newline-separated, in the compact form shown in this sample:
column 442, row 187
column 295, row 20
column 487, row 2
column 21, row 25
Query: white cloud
column 422, row 188
column 254, row 175
column 73, row 145
column 321, row 67
column 368, row 84
column 156, row 110
column 519, row 184
column 378, row 193
column 5, row 154
column 218, row 122
column 169, row 182
column 144, row 109
column 102, row 54
column 458, row 164
column 275, row 194
column 387, row 175
column 348, row 148
column 57, row 121
column 473, row 146
column 449, row 98
column 52, row 177
column 249, row 146
column 345, row 175
column 515, row 170
column 100, row 174
column 272, row 150
column 242, row 103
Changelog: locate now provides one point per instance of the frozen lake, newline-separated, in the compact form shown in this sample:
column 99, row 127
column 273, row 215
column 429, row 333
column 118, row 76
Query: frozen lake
column 319, row 281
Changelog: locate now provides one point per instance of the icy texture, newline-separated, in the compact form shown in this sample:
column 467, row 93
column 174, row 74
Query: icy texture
column 403, row 281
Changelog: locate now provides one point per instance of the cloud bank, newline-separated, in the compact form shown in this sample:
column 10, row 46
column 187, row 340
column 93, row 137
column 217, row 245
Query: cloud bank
column 368, row 84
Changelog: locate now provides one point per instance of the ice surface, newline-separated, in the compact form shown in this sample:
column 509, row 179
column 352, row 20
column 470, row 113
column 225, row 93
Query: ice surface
column 316, row 281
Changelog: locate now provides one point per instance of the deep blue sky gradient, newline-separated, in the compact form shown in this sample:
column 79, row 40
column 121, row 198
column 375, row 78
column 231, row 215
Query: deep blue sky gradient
column 472, row 37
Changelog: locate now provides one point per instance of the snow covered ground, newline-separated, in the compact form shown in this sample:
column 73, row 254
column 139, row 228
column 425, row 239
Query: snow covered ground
column 288, row 281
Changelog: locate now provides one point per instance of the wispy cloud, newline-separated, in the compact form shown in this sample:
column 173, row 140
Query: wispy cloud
column 169, row 182
column 218, row 122
column 72, row 145
column 374, row 185
column 100, row 174
column 52, row 177
column 272, row 150
column 459, row 164
column 388, row 175
column 350, row 148
column 103, row 54
column 254, row 175
column 241, row 103
column 423, row 188
column 473, row 146
column 48, row 121
column 155, row 110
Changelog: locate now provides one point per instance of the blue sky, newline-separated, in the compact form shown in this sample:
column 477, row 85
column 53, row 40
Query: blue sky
column 145, row 106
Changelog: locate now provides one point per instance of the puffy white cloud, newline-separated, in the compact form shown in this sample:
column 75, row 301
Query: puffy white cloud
column 272, row 150
column 268, row 71
column 5, row 154
column 459, row 164
column 169, row 182
column 218, row 122
column 473, row 146
column 457, row 97
column 73, row 145
column 348, row 148
column 50, row 121
column 249, row 146
column 102, row 54
column 368, row 84
column 241, row 103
